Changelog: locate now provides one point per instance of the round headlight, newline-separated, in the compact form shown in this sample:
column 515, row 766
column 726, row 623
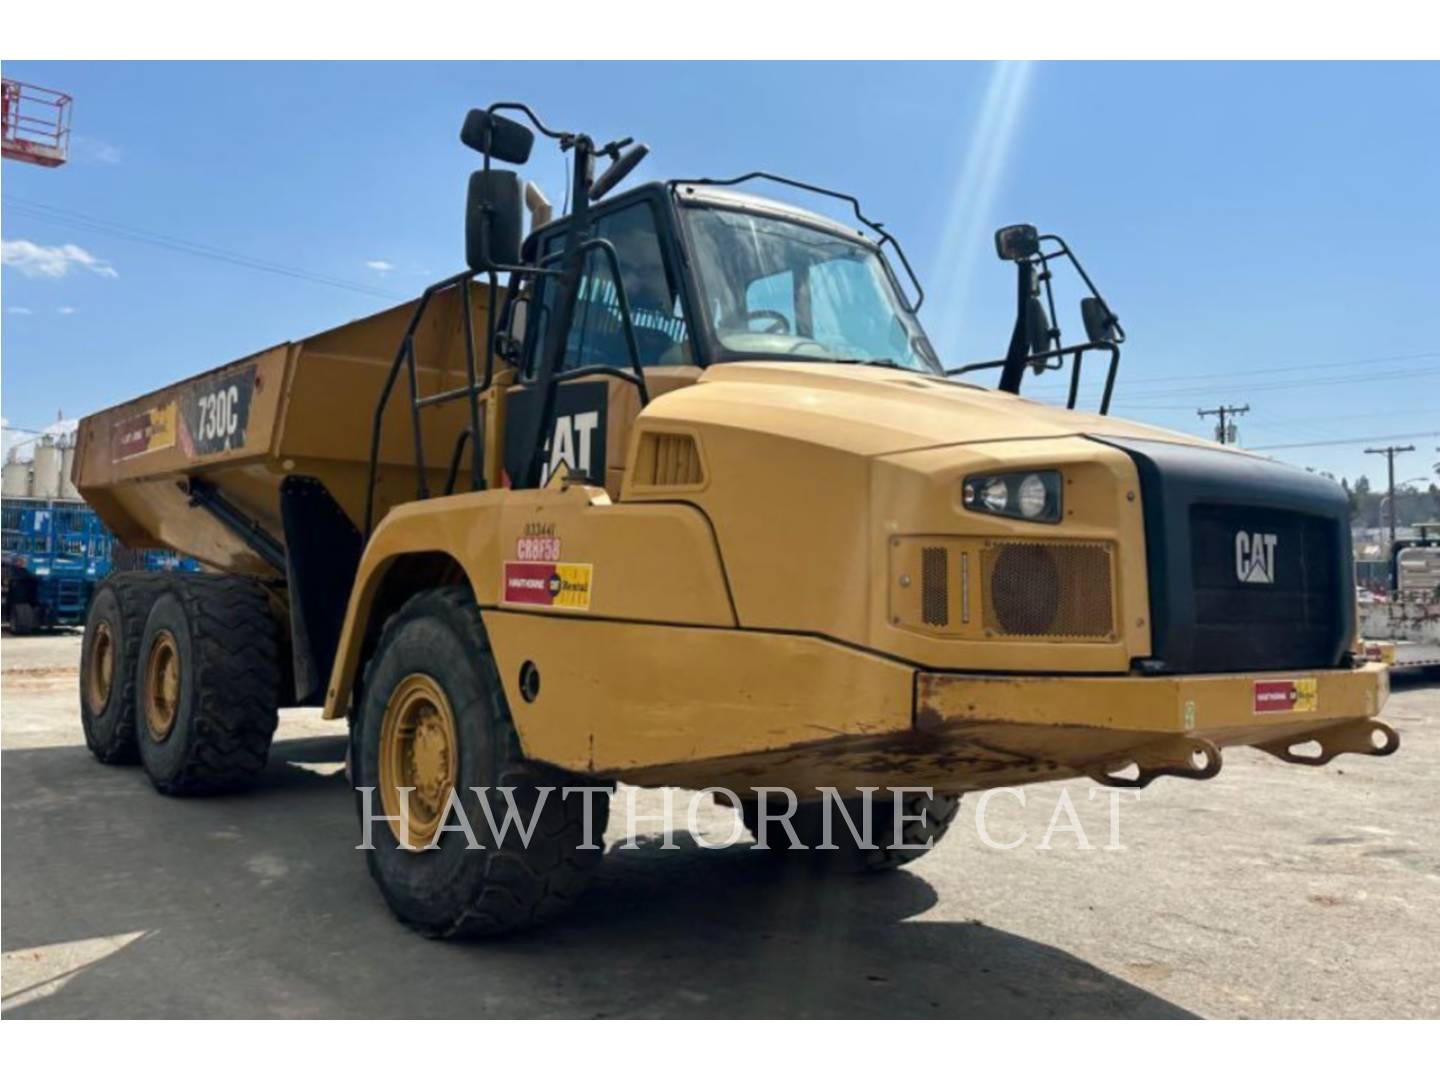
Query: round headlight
column 997, row 495
column 1033, row 496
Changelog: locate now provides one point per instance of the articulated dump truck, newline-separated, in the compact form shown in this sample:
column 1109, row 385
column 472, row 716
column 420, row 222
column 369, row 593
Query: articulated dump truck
column 674, row 490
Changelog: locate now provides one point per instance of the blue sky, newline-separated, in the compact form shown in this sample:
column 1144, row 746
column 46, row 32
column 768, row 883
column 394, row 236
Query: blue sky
column 1264, row 231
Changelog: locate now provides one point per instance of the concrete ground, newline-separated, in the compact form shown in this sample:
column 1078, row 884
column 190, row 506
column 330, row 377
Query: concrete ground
column 1273, row 890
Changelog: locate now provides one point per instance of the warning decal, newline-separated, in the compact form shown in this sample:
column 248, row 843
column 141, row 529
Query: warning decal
column 548, row 584
column 1286, row 695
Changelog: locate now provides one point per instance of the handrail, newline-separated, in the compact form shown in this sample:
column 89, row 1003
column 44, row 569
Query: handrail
column 405, row 352
column 1055, row 354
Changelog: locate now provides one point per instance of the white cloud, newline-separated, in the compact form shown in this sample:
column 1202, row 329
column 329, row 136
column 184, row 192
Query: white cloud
column 18, row 311
column 95, row 151
column 64, row 311
column 36, row 260
column 379, row 265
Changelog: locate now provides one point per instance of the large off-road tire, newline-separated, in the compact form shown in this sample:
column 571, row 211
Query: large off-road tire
column 433, row 717
column 24, row 619
column 109, row 653
column 848, row 856
column 207, row 684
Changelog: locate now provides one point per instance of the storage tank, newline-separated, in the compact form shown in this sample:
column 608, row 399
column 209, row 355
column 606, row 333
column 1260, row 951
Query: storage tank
column 16, row 482
column 46, row 482
column 67, row 464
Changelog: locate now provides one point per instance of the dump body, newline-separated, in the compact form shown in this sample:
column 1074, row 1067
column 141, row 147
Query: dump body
column 301, row 408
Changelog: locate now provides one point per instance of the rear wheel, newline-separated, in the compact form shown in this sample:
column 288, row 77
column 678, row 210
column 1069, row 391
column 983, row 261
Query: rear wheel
column 926, row 821
column 24, row 618
column 108, row 662
column 433, row 719
column 208, row 682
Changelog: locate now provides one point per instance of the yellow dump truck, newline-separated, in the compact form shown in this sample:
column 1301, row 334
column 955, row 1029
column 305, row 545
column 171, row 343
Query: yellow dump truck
column 674, row 490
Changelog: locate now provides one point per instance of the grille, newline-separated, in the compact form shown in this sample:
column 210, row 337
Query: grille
column 1036, row 589
column 1291, row 620
column 667, row 460
column 935, row 586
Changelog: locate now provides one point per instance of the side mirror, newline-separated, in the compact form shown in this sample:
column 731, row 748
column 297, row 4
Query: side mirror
column 1100, row 322
column 494, row 219
column 505, row 139
column 1014, row 243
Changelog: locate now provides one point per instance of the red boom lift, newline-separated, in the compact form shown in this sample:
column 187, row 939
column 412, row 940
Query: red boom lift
column 35, row 125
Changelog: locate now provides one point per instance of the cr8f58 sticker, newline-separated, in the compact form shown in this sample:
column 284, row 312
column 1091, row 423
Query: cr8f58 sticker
column 549, row 584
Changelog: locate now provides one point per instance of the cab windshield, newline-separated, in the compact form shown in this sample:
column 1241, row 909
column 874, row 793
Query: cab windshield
column 774, row 288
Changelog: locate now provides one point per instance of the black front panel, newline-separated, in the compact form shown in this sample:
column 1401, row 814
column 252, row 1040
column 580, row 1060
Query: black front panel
column 1249, row 561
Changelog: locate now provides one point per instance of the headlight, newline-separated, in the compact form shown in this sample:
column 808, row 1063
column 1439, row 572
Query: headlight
column 1031, row 496
column 997, row 496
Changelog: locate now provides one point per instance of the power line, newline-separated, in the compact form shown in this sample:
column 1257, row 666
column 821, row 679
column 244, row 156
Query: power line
column 1214, row 375
column 72, row 219
column 1292, row 384
column 1255, row 388
column 1344, row 442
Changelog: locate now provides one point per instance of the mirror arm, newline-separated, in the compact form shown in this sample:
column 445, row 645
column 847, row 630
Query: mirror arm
column 1019, row 350
column 1066, row 253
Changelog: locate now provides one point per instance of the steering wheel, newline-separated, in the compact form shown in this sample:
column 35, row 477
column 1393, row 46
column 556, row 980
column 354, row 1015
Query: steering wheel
column 779, row 324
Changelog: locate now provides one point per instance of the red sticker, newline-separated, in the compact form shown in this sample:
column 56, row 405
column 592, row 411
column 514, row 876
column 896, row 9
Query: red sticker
column 529, row 583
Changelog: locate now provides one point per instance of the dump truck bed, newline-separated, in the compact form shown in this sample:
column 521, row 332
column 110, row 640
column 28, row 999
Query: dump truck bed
column 300, row 408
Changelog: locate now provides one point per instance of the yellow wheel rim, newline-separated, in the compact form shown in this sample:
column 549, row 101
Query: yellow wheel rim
column 100, row 672
column 418, row 750
column 162, row 686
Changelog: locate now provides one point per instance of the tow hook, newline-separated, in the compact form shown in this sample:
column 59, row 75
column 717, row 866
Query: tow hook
column 1352, row 737
column 1190, row 758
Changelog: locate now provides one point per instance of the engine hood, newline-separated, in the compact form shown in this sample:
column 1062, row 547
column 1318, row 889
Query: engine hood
column 875, row 411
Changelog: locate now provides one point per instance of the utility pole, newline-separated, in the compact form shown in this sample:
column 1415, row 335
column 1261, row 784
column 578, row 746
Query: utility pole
column 1222, row 433
column 1390, row 452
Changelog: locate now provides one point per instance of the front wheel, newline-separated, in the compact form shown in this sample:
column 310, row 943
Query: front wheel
column 433, row 720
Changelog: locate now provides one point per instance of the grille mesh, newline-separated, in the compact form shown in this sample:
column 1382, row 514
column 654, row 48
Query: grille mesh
column 935, row 586
column 1036, row 589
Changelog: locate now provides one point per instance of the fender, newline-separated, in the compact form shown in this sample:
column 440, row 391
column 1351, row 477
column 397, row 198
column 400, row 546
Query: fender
column 648, row 562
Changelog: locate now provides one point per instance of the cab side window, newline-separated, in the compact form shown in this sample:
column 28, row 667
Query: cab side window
column 597, row 334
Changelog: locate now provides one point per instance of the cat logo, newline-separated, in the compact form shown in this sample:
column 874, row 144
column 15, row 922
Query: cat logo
column 572, row 445
column 1255, row 557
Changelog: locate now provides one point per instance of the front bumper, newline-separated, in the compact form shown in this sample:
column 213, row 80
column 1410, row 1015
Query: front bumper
column 1127, row 730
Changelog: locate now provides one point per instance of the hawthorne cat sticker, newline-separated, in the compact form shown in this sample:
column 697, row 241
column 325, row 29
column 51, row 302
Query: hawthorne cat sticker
column 1286, row 695
column 549, row 584
column 153, row 429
